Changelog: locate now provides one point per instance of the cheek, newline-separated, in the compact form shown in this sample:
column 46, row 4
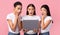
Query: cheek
column 16, row 9
column 43, row 12
column 29, row 11
column 33, row 11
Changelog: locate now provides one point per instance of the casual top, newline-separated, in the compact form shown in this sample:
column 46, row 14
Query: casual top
column 48, row 28
column 11, row 16
column 34, row 17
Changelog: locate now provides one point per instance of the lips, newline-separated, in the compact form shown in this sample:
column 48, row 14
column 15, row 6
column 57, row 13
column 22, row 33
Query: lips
column 42, row 14
column 30, row 12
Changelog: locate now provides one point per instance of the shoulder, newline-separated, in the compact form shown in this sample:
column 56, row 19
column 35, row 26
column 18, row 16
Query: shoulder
column 26, row 16
column 49, row 18
column 9, row 16
column 38, row 17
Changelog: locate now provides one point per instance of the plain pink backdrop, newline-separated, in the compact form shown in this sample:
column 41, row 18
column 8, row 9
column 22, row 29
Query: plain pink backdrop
column 6, row 7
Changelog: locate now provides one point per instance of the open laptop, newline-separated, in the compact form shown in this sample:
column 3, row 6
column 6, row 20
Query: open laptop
column 30, row 24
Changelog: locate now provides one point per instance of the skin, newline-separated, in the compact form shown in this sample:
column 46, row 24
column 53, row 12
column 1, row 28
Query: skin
column 17, row 11
column 44, row 14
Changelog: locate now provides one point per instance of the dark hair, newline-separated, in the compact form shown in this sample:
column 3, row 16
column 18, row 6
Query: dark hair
column 17, row 3
column 33, row 7
column 47, row 8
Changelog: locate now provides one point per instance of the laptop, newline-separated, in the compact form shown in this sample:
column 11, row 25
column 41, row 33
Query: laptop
column 30, row 24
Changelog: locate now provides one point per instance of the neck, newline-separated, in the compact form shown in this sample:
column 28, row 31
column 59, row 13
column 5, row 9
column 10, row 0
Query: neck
column 30, row 15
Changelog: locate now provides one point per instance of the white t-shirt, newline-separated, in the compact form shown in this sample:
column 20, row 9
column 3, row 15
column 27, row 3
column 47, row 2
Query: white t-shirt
column 48, row 28
column 11, row 16
column 27, row 17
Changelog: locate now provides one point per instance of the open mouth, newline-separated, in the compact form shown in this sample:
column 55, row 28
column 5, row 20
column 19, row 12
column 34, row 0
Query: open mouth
column 30, row 13
column 42, row 14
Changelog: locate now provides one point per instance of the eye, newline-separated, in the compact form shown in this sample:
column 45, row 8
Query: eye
column 32, row 9
column 19, row 8
column 29, row 9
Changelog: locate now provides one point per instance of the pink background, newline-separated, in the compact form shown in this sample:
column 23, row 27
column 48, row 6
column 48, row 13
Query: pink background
column 6, row 7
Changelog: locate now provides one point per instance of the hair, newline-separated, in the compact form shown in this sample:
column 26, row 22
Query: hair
column 47, row 8
column 33, row 7
column 17, row 3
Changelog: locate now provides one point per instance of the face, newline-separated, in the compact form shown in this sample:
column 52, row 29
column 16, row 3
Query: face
column 30, row 10
column 18, row 9
column 43, row 11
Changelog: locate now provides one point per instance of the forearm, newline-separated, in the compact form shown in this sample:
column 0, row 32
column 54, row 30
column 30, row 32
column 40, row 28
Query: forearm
column 42, row 24
column 14, row 24
column 19, row 24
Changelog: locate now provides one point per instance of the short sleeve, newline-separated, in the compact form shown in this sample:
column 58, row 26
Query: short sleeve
column 22, row 18
column 48, row 18
column 39, row 18
column 8, row 17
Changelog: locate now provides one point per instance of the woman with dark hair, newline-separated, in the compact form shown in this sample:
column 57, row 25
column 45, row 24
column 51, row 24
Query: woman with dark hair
column 14, row 20
column 46, row 20
column 27, row 13
column 30, row 15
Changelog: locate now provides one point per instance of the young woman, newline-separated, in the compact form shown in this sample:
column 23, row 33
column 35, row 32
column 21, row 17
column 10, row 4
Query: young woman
column 46, row 20
column 30, row 15
column 13, row 19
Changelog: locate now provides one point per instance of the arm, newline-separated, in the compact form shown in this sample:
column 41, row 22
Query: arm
column 44, row 25
column 38, row 29
column 19, row 24
column 39, row 26
column 11, row 24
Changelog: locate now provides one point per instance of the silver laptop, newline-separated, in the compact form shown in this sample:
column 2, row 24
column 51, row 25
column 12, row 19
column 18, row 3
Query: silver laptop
column 30, row 24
